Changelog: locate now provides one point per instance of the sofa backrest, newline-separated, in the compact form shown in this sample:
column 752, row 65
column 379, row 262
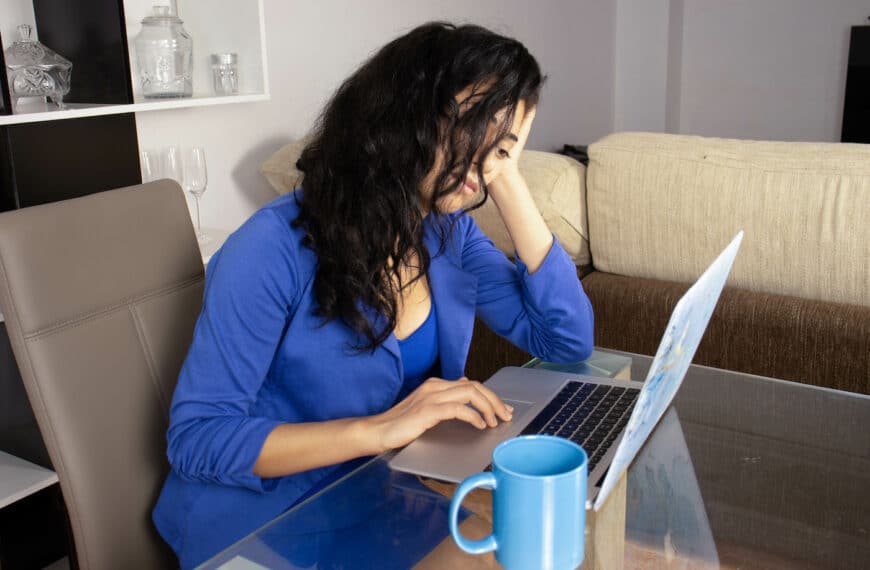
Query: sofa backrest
column 662, row 206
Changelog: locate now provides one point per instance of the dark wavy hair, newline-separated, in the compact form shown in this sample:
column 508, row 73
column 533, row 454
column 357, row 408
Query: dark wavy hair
column 376, row 141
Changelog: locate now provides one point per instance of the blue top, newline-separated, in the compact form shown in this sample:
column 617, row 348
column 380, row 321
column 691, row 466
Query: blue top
column 261, row 356
column 419, row 352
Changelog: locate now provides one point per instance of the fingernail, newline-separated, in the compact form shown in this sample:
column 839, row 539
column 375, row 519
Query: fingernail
column 509, row 407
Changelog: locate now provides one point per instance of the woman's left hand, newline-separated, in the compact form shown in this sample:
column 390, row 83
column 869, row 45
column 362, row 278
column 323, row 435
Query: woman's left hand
column 509, row 168
column 510, row 193
column 522, row 137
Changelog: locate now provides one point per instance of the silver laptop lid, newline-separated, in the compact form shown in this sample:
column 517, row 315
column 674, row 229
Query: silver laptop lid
column 675, row 352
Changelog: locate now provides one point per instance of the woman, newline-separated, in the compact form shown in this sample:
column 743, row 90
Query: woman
column 337, row 320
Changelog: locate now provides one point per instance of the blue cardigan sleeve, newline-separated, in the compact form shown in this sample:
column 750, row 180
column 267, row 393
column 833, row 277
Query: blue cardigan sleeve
column 249, row 292
column 545, row 313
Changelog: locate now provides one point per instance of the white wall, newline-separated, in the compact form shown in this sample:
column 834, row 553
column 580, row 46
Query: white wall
column 766, row 69
column 641, row 72
column 754, row 69
column 313, row 46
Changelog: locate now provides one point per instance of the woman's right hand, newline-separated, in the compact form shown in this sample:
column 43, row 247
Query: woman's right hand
column 432, row 402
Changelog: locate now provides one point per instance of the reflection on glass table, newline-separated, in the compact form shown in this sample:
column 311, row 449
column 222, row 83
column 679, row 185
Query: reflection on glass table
column 372, row 518
column 742, row 472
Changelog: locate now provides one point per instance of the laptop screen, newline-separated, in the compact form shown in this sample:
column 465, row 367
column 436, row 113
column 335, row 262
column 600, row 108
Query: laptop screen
column 676, row 349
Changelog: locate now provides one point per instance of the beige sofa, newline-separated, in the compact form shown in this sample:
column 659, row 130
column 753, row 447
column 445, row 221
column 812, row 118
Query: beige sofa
column 651, row 211
column 657, row 208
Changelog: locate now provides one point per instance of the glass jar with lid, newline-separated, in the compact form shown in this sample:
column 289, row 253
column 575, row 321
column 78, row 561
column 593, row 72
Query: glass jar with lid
column 164, row 56
column 35, row 70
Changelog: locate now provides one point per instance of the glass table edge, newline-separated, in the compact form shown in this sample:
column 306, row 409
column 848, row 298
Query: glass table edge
column 210, row 563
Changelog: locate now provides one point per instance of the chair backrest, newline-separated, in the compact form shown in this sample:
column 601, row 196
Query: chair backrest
column 100, row 296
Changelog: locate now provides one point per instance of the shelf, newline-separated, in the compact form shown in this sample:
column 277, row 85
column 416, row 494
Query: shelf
column 215, row 25
column 34, row 113
column 20, row 478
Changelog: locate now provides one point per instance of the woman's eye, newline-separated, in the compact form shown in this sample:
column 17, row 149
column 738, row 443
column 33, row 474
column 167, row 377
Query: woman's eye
column 502, row 153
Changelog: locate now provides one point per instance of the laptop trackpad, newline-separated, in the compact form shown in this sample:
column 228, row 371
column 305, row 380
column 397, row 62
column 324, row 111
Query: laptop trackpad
column 453, row 450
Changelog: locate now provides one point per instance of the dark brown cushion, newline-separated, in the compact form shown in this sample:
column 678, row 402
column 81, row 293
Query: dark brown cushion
column 813, row 342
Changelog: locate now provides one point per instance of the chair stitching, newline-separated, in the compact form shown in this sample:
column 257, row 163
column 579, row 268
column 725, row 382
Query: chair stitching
column 149, row 358
column 99, row 313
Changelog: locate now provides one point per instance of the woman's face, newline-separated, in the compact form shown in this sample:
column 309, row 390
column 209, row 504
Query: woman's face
column 468, row 188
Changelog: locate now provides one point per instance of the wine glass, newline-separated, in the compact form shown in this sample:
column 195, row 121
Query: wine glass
column 171, row 164
column 195, row 176
column 149, row 161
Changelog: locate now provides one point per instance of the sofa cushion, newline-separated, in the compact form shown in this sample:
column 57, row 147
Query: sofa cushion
column 748, row 332
column 280, row 168
column 557, row 184
column 558, row 187
column 662, row 206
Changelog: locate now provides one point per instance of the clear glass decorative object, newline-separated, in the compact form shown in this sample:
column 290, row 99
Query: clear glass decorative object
column 164, row 56
column 225, row 73
column 35, row 70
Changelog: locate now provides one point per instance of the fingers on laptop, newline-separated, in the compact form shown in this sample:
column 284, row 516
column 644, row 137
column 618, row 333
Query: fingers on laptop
column 483, row 399
column 504, row 411
column 466, row 393
column 459, row 411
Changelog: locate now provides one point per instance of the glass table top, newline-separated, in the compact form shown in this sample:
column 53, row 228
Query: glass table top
column 741, row 472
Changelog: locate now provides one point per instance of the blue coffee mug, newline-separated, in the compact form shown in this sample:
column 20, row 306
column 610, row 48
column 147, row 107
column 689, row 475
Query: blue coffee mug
column 538, row 487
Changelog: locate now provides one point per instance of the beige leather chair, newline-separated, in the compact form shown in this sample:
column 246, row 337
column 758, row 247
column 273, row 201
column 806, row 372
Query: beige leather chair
column 100, row 296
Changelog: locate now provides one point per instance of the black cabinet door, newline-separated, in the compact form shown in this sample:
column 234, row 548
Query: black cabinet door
column 92, row 34
column 856, row 108
column 57, row 160
column 5, row 101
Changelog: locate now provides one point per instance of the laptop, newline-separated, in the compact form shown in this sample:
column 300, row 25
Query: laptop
column 609, row 418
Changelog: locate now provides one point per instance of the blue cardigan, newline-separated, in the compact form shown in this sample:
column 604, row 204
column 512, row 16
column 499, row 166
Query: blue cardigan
column 261, row 357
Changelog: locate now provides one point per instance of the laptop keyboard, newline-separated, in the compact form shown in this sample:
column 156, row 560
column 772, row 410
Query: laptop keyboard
column 592, row 415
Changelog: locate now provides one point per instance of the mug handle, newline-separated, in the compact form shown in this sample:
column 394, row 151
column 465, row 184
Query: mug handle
column 485, row 479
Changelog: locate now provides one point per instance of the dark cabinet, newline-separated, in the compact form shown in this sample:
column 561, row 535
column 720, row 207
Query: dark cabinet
column 44, row 162
column 856, row 107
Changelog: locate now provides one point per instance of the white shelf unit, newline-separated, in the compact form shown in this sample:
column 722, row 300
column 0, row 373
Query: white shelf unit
column 216, row 26
column 43, row 112
column 20, row 478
